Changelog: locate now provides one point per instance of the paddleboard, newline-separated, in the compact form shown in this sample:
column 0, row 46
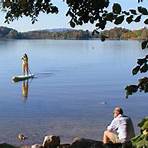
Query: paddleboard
column 22, row 77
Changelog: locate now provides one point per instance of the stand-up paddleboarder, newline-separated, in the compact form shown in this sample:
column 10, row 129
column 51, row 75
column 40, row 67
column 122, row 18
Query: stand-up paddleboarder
column 25, row 67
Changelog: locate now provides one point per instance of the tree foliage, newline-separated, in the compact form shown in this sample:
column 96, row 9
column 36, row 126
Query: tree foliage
column 141, row 141
column 80, row 11
column 142, row 67
column 29, row 8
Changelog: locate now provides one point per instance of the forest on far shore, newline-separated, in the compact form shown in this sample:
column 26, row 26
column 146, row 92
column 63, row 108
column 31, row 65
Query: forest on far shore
column 116, row 33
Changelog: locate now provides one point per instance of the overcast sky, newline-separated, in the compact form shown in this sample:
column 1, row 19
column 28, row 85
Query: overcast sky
column 61, row 21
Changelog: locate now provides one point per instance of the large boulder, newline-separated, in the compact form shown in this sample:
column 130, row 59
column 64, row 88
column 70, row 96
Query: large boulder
column 5, row 145
column 64, row 146
column 86, row 143
column 51, row 141
column 89, row 143
column 118, row 145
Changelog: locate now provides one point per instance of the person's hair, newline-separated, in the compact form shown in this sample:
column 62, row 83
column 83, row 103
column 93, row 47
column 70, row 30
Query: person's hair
column 25, row 55
column 119, row 109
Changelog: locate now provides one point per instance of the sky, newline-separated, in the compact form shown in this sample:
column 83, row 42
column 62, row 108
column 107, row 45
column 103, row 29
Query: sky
column 59, row 20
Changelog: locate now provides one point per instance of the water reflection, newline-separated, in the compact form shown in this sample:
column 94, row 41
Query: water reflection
column 25, row 88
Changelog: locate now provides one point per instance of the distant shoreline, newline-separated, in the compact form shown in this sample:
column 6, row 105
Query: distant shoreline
column 71, row 34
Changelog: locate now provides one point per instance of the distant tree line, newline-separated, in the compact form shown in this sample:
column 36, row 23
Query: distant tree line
column 71, row 34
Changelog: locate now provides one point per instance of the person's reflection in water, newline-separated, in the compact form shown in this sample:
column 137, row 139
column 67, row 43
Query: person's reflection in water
column 25, row 90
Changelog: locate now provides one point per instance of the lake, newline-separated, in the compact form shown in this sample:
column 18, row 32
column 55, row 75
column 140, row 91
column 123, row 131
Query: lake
column 77, row 85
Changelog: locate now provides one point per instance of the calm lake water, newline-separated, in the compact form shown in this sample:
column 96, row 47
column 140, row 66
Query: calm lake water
column 77, row 85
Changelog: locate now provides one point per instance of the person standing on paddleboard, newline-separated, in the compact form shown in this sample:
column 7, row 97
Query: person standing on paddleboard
column 25, row 67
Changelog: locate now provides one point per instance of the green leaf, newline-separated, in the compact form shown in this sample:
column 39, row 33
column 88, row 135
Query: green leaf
column 116, row 8
column 133, row 11
column 142, row 122
column 131, row 89
column 143, row 10
column 143, row 84
column 140, row 1
column 79, row 22
column 126, row 13
column 102, row 24
column 97, row 32
column 142, row 81
column 135, row 70
column 144, row 68
column 91, row 20
column 144, row 44
column 138, row 18
column 141, row 61
column 97, row 24
column 70, row 14
column 109, row 17
column 72, row 24
column 146, row 21
column 129, row 19
column 119, row 20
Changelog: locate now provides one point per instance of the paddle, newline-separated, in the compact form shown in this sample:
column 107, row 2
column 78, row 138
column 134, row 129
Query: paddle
column 29, row 71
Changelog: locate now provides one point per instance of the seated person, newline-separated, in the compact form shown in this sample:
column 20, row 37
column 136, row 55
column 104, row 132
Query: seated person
column 120, row 130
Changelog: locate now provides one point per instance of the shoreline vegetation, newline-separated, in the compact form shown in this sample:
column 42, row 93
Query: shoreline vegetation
column 72, row 34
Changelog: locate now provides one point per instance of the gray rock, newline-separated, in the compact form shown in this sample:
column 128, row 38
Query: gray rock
column 86, row 143
column 21, row 137
column 51, row 141
column 37, row 146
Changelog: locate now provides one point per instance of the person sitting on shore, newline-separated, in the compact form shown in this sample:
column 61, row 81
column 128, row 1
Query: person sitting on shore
column 120, row 130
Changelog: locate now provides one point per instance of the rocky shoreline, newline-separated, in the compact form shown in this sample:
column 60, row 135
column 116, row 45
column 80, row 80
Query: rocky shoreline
column 53, row 141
